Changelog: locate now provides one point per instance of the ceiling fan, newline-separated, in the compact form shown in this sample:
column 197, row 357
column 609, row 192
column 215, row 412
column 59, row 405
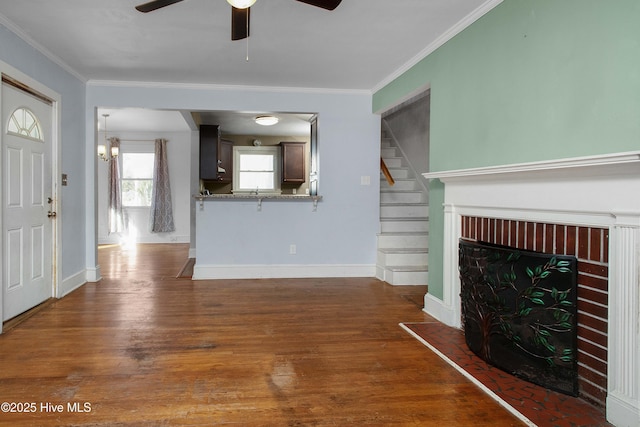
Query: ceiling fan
column 239, row 15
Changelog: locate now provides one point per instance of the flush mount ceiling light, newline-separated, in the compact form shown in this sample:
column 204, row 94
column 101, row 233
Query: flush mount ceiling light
column 266, row 120
column 241, row 4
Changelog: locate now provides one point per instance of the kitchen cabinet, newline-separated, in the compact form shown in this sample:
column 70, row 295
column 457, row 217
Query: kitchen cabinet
column 293, row 162
column 225, row 157
column 216, row 155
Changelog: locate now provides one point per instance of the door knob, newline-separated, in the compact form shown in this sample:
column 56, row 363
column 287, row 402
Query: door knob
column 51, row 214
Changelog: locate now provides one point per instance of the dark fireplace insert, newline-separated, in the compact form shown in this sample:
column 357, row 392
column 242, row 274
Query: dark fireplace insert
column 519, row 312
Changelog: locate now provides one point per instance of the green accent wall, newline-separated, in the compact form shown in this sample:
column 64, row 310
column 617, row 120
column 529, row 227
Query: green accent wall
column 530, row 80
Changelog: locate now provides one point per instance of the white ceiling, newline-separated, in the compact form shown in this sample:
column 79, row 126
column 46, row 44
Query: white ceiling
column 358, row 46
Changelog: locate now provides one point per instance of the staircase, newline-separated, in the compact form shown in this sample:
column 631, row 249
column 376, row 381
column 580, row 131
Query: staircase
column 404, row 223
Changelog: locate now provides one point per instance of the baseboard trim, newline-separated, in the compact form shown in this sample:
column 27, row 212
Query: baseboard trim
column 72, row 283
column 204, row 272
column 441, row 312
column 93, row 274
column 621, row 412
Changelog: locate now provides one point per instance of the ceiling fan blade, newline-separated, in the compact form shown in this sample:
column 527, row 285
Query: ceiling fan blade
column 155, row 4
column 240, row 23
column 325, row 4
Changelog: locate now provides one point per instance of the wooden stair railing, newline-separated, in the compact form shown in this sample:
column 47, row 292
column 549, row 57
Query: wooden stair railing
column 385, row 172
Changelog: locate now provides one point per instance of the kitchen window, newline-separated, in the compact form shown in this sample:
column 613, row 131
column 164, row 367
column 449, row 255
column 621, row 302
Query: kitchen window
column 256, row 170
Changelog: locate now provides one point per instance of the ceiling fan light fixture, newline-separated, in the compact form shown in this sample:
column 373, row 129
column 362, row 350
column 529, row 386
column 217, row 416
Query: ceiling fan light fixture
column 241, row 4
column 266, row 120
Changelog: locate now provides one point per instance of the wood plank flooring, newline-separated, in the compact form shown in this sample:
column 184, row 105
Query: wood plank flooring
column 142, row 348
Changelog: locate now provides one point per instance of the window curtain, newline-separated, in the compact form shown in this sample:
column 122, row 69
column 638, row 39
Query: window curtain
column 116, row 223
column 161, row 210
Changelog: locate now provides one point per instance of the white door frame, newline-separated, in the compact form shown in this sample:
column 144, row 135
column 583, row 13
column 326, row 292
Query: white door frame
column 8, row 70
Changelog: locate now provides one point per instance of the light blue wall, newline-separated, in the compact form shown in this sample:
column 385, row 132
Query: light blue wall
column 531, row 80
column 23, row 57
column 341, row 231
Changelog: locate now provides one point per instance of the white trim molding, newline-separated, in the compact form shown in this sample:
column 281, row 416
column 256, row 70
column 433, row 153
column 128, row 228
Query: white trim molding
column 560, row 165
column 594, row 191
column 71, row 283
column 206, row 272
column 37, row 46
column 456, row 29
column 56, row 161
column 623, row 374
column 221, row 87
column 93, row 274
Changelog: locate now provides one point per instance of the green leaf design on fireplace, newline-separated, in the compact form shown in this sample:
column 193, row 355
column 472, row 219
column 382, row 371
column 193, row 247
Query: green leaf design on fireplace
column 523, row 302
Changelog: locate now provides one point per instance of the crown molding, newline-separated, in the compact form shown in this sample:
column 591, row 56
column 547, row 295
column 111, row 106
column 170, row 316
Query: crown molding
column 221, row 87
column 38, row 47
column 441, row 40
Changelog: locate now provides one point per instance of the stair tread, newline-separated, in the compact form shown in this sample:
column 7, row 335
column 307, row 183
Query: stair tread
column 409, row 260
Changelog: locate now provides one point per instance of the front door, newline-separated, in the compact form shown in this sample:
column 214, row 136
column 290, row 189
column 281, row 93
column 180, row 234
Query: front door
column 26, row 201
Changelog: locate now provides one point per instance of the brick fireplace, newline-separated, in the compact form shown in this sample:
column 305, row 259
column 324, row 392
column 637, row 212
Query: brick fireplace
column 591, row 246
column 588, row 207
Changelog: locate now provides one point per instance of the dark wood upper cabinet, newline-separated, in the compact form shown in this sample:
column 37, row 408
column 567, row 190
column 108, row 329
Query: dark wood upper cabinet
column 216, row 155
column 225, row 155
column 293, row 162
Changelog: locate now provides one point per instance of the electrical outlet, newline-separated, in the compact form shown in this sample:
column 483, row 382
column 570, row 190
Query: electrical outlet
column 365, row 180
column 292, row 249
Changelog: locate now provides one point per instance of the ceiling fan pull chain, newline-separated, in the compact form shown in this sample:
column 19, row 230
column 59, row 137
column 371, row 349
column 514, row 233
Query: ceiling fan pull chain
column 247, row 37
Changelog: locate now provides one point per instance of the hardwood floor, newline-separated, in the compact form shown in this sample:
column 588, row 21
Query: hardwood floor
column 144, row 348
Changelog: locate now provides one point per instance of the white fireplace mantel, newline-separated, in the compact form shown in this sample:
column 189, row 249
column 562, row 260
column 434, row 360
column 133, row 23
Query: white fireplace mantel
column 598, row 191
column 569, row 166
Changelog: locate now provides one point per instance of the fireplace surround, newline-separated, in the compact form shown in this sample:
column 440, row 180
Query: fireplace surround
column 595, row 192
column 590, row 245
